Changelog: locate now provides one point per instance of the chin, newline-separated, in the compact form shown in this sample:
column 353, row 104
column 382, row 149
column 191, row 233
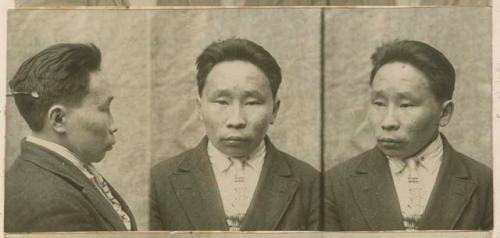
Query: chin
column 97, row 158
column 392, row 153
column 235, row 153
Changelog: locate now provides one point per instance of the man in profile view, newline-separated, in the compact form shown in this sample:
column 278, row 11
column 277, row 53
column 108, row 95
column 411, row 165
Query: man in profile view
column 235, row 179
column 413, row 179
column 52, row 186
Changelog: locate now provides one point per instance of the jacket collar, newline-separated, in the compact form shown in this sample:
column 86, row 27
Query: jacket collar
column 455, row 167
column 451, row 193
column 54, row 162
column 376, row 196
column 194, row 183
column 57, row 164
column 275, row 191
column 199, row 155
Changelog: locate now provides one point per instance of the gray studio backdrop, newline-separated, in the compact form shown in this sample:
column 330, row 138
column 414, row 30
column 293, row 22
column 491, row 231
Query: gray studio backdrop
column 149, row 58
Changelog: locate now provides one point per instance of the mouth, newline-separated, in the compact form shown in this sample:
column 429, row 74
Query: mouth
column 234, row 139
column 109, row 147
column 389, row 142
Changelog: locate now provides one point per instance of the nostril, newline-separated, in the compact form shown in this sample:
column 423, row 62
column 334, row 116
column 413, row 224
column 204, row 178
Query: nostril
column 390, row 127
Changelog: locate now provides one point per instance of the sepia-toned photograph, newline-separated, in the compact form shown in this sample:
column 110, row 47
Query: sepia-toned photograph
column 244, row 119
column 442, row 123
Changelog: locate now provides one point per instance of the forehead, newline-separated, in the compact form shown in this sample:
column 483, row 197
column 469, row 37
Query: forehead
column 99, row 86
column 400, row 77
column 236, row 75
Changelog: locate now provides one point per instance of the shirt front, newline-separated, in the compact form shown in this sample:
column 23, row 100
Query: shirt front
column 429, row 161
column 85, row 169
column 237, row 179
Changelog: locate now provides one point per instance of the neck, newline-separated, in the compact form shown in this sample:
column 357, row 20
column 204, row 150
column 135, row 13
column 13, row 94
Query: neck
column 54, row 138
column 47, row 137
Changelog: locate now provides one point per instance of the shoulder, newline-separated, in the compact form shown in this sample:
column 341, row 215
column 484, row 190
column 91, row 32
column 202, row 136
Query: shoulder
column 298, row 167
column 349, row 166
column 477, row 170
column 27, row 177
column 29, row 187
column 168, row 166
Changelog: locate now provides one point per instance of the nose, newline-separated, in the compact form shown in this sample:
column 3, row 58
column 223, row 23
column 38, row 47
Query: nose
column 390, row 121
column 112, row 131
column 236, row 118
column 112, row 128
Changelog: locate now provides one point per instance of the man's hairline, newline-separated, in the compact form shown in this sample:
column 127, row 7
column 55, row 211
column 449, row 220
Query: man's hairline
column 274, row 95
column 427, row 78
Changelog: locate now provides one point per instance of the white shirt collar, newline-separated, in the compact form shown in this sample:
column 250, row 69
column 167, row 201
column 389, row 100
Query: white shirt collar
column 60, row 150
column 221, row 161
column 429, row 158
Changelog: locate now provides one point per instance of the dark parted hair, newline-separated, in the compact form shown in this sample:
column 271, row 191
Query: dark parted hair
column 58, row 74
column 238, row 49
column 431, row 62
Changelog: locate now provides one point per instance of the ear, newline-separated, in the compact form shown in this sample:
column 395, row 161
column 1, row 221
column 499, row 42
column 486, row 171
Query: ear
column 57, row 118
column 198, row 107
column 447, row 108
column 276, row 108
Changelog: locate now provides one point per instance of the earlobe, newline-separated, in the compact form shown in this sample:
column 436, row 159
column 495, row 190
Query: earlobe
column 275, row 110
column 57, row 118
column 447, row 109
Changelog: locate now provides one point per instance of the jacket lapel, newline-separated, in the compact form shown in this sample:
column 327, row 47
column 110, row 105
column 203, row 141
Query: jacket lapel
column 451, row 193
column 374, row 192
column 196, row 188
column 58, row 165
column 275, row 191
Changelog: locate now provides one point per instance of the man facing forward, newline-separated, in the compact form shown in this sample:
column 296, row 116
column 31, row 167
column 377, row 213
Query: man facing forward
column 235, row 179
column 53, row 186
column 413, row 179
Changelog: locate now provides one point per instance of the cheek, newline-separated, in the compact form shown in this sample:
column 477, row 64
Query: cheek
column 213, row 122
column 96, row 126
column 211, row 116
column 421, row 124
column 374, row 116
column 260, row 118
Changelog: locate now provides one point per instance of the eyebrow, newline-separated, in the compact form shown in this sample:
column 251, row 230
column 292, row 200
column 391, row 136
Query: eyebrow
column 253, row 93
column 407, row 94
column 221, row 92
column 248, row 93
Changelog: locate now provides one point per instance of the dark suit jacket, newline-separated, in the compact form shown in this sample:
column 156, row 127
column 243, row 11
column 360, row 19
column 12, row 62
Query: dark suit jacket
column 360, row 195
column 185, row 196
column 46, row 193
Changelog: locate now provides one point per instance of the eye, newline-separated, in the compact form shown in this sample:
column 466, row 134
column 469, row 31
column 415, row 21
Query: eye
column 221, row 102
column 405, row 105
column 378, row 103
column 252, row 103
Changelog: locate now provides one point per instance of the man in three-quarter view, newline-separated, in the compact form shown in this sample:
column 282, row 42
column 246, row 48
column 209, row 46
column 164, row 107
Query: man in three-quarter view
column 235, row 179
column 52, row 186
column 413, row 179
